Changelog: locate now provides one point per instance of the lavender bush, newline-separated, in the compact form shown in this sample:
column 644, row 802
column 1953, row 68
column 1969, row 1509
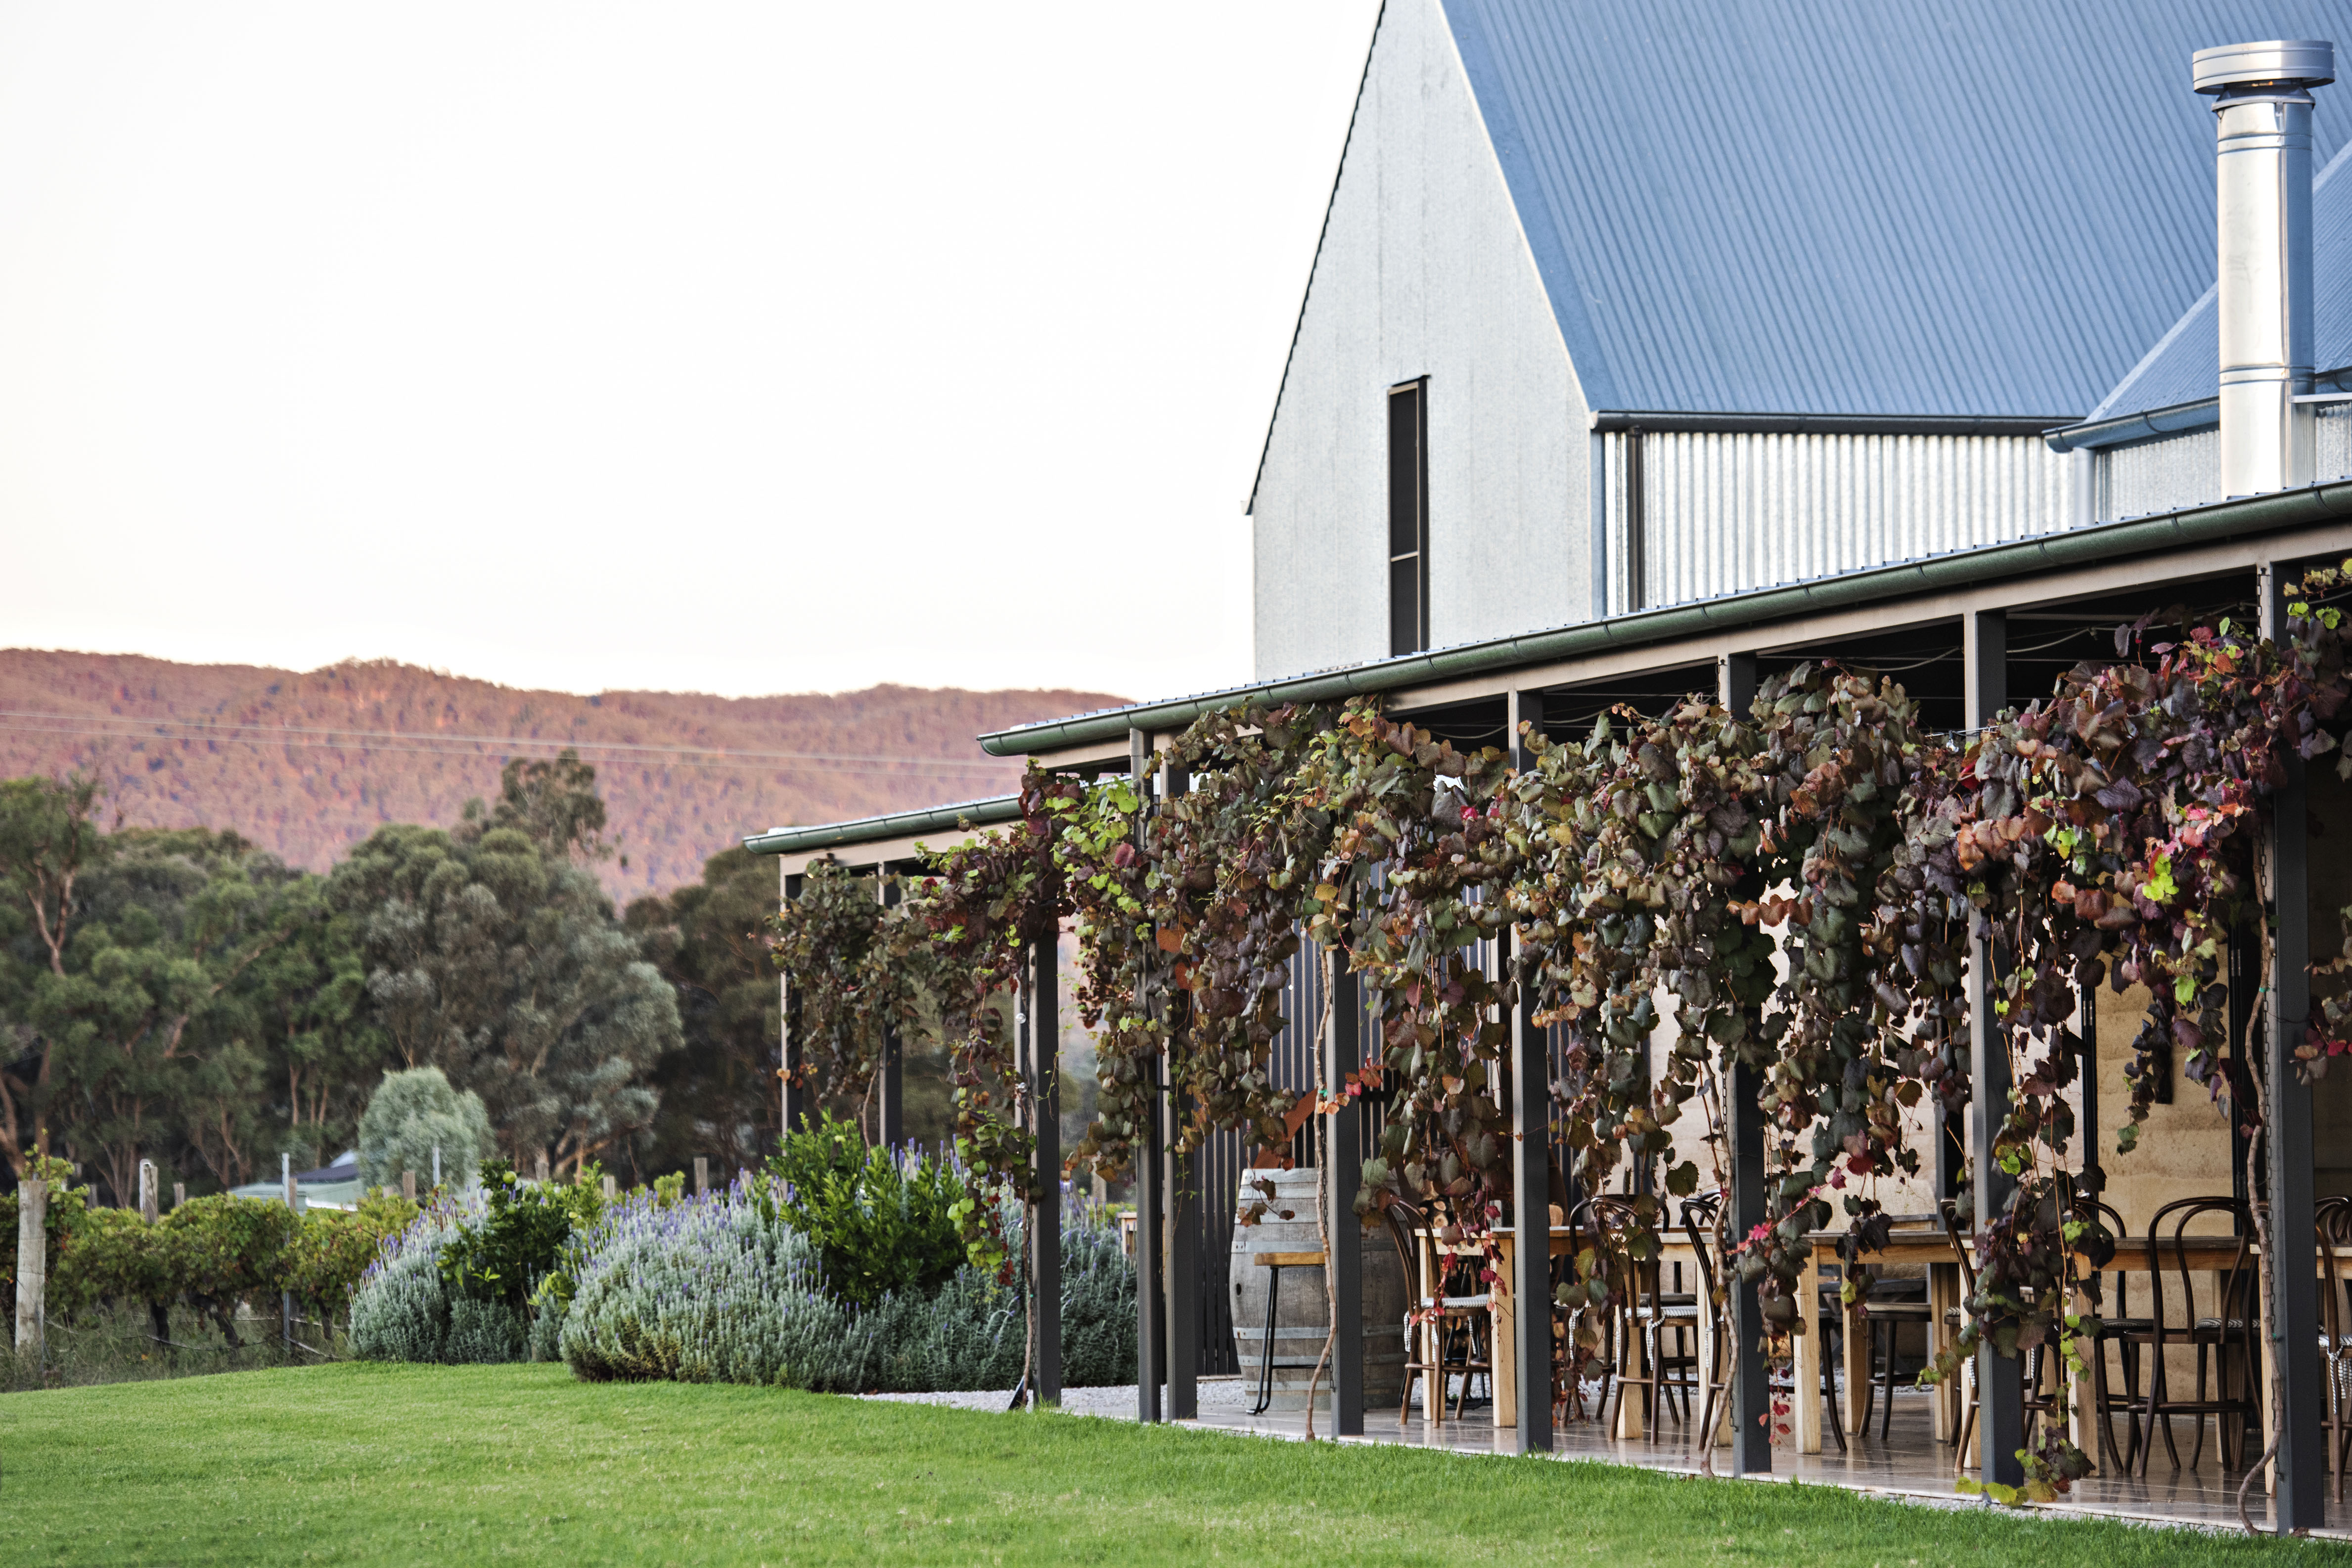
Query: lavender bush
column 722, row 1290
column 402, row 1310
column 711, row 1290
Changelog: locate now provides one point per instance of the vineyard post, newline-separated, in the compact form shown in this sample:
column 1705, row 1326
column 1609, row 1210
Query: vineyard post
column 1751, row 1389
column 1041, row 1025
column 2301, row 1475
column 32, row 1266
column 1151, row 1198
column 2000, row 1388
column 1343, row 1146
column 795, row 1109
column 1530, row 1092
column 890, row 1074
column 1183, row 1214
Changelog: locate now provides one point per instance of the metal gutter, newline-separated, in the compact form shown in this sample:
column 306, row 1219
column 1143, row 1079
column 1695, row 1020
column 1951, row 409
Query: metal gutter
column 1669, row 422
column 2170, row 420
column 2202, row 414
column 987, row 813
column 1959, row 569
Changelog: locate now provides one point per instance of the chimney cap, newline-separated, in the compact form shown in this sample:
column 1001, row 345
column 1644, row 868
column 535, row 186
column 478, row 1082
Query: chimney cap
column 2306, row 62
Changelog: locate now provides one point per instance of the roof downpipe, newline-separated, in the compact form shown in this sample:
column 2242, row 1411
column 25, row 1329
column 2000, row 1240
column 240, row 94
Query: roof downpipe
column 2262, row 109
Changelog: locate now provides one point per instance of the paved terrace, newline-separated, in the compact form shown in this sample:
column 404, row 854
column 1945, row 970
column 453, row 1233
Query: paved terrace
column 1909, row 1463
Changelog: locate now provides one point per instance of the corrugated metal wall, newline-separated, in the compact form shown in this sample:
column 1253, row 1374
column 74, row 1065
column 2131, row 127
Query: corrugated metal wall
column 1725, row 513
column 2185, row 470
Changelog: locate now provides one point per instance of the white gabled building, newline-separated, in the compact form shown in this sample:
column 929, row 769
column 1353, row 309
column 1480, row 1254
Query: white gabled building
column 1638, row 302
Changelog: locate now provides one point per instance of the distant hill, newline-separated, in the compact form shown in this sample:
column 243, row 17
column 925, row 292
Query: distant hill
column 276, row 756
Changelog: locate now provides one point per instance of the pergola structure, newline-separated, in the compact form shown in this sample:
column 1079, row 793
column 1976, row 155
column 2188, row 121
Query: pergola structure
column 1970, row 633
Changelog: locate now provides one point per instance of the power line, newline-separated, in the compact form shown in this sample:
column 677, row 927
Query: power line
column 724, row 761
column 447, row 744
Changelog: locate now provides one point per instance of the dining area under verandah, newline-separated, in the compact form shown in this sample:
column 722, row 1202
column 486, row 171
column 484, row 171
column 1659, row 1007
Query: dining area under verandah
column 2172, row 1405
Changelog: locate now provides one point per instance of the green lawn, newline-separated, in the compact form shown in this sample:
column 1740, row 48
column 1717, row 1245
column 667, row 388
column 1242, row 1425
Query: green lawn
column 356, row 1463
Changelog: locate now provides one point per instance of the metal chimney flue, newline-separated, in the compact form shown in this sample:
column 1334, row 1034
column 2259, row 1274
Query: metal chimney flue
column 2262, row 113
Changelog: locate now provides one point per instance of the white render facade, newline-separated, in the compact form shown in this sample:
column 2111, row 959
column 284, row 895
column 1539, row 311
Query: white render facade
column 1422, row 271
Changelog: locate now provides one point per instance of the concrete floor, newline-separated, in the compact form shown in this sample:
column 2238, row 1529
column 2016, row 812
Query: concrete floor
column 1909, row 1463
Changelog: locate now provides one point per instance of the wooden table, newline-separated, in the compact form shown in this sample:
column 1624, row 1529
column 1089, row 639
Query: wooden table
column 1934, row 1248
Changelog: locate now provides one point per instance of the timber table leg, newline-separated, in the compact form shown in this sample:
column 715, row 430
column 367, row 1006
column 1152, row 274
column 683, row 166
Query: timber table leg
column 1433, row 1382
column 1943, row 1296
column 1857, row 1373
column 1805, row 1396
column 1503, row 1355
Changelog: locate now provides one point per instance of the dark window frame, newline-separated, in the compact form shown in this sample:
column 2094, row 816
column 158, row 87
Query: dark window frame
column 1408, row 501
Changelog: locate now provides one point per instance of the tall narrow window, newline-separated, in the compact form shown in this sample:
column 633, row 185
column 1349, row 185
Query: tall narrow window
column 1409, row 518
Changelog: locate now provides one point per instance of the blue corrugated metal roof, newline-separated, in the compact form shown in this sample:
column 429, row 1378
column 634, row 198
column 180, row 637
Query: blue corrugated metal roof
column 2184, row 366
column 1986, row 208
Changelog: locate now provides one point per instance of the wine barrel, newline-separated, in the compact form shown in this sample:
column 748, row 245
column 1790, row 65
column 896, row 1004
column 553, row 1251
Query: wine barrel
column 1303, row 1317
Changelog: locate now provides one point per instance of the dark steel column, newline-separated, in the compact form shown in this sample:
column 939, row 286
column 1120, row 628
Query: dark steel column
column 1151, row 1188
column 1042, row 1008
column 2000, row 1389
column 1743, row 1114
column 1530, row 1084
column 2087, row 1031
column 890, row 1086
column 1344, row 1149
column 796, row 1098
column 2301, row 1466
column 1183, row 1224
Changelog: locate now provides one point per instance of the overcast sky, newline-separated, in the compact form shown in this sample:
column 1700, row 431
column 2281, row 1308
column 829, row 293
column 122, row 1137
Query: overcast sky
column 733, row 348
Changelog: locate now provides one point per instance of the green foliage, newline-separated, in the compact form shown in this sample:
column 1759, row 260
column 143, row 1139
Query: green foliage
column 327, row 1256
column 492, row 953
column 210, row 1255
column 411, row 1113
column 174, row 993
column 719, row 1090
column 519, row 1238
column 880, row 1218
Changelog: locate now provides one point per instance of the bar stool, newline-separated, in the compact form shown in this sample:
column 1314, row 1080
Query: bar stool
column 1274, row 1263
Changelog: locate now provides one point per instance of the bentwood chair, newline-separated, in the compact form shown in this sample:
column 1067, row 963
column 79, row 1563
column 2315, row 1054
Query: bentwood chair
column 2130, row 1336
column 1703, row 1223
column 1643, row 1320
column 2334, row 1224
column 1887, row 1307
column 2040, row 1367
column 2223, row 1338
column 1459, row 1329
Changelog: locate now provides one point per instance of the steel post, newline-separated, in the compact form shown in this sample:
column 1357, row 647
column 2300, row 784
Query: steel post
column 1743, row 1111
column 2302, row 1463
column 1530, row 1093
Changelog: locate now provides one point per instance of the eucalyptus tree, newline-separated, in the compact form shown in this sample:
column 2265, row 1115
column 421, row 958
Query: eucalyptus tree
column 492, row 953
